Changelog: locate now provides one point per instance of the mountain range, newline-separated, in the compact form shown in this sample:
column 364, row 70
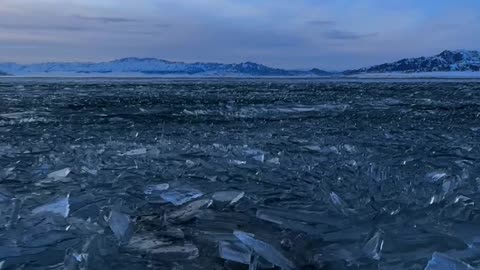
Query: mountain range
column 151, row 67
column 446, row 61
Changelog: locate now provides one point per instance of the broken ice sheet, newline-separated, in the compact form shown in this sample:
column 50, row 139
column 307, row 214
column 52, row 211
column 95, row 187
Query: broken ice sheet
column 60, row 206
column 156, row 188
column 181, row 195
column 85, row 226
column 294, row 225
column 121, row 226
column 441, row 261
column 135, row 152
column 435, row 176
column 60, row 173
column 255, row 154
column 464, row 200
column 265, row 250
column 469, row 233
column 147, row 243
column 237, row 162
column 74, row 260
column 233, row 251
column 230, row 197
column 153, row 192
column 275, row 161
column 373, row 247
column 340, row 204
column 16, row 115
column 89, row 171
column 189, row 211
column 260, row 157
column 279, row 216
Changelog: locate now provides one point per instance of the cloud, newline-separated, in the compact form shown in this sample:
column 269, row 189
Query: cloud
column 346, row 35
column 107, row 19
column 280, row 33
column 321, row 23
column 39, row 27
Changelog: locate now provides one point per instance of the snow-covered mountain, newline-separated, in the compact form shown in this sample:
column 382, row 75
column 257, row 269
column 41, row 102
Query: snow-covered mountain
column 460, row 60
column 152, row 67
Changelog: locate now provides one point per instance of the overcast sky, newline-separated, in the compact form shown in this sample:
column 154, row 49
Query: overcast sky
column 328, row 34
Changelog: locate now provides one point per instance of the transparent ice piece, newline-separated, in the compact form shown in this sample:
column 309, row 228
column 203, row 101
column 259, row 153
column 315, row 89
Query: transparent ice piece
column 260, row 157
column 281, row 219
column 265, row 250
column 89, row 171
column 254, row 263
column 181, row 195
column 85, row 226
column 121, row 225
column 135, row 152
column 189, row 211
column 280, row 215
column 435, row 176
column 60, row 173
column 464, row 200
column 161, row 250
column 336, row 200
column 373, row 247
column 275, row 161
column 74, row 260
column 238, row 162
column 60, row 206
column 441, row 261
column 340, row 204
column 234, row 251
column 230, row 197
column 156, row 188
column 145, row 243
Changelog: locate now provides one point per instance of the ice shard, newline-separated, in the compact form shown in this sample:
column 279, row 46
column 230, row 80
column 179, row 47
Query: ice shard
column 60, row 207
column 230, row 197
column 373, row 247
column 441, row 261
column 121, row 226
column 60, row 173
column 181, row 195
column 267, row 251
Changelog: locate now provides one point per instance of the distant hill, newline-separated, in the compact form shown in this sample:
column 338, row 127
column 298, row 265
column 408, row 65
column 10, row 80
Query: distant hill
column 151, row 67
column 460, row 60
column 320, row 72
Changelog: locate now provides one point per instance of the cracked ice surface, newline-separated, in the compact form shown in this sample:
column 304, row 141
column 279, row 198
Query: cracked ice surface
column 238, row 174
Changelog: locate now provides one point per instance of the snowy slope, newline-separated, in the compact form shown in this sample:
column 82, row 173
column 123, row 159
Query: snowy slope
column 447, row 61
column 419, row 75
column 150, row 66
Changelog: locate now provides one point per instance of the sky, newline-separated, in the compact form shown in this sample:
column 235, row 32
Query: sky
column 327, row 34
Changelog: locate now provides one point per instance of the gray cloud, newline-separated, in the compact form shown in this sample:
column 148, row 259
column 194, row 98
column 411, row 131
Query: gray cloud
column 346, row 35
column 107, row 19
column 321, row 23
column 39, row 27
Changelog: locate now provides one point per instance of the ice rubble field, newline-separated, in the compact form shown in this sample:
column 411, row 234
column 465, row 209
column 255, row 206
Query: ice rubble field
column 231, row 174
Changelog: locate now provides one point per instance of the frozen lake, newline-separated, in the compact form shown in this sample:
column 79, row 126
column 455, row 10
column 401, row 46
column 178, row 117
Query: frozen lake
column 218, row 174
